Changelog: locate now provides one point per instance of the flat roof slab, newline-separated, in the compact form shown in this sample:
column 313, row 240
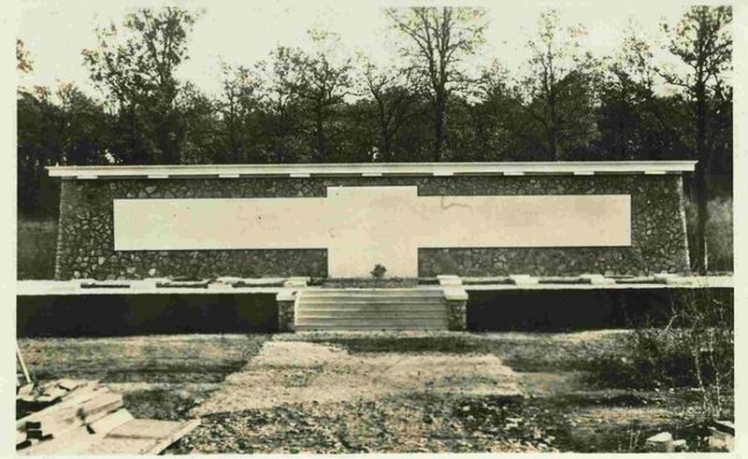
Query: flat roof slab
column 233, row 171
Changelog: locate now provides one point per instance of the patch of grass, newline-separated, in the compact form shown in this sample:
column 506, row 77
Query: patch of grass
column 175, row 372
column 164, row 403
column 168, row 359
column 178, row 372
column 36, row 248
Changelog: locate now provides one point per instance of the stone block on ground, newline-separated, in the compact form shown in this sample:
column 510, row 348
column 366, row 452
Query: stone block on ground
column 661, row 443
column 720, row 441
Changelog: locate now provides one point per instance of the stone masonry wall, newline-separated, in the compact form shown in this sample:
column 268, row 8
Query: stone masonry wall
column 86, row 248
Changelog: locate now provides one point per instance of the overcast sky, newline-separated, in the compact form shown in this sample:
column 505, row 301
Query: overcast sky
column 243, row 32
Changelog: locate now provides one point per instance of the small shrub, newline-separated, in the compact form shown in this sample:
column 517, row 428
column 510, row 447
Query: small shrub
column 695, row 349
column 378, row 271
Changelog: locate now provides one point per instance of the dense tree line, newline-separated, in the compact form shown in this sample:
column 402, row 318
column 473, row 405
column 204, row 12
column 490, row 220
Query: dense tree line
column 322, row 105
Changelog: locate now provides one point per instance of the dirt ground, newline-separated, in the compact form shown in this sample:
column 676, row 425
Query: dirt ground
column 375, row 392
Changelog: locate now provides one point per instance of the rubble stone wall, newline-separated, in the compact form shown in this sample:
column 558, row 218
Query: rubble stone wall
column 85, row 246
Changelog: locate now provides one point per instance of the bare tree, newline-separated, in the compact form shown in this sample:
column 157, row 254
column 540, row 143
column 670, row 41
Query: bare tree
column 323, row 83
column 393, row 102
column 440, row 38
column 238, row 104
column 560, row 85
column 702, row 40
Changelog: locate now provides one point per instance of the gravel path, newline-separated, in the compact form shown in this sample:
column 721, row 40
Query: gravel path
column 288, row 372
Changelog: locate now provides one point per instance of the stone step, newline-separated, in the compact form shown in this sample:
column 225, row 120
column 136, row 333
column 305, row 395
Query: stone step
column 370, row 318
column 371, row 309
column 355, row 309
column 372, row 292
column 306, row 302
column 372, row 299
column 331, row 327
column 368, row 305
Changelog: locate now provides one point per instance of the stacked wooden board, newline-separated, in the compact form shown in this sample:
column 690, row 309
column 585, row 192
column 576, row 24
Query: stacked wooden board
column 85, row 417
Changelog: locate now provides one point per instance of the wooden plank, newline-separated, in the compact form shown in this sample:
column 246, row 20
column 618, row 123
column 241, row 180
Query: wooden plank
column 136, row 436
column 22, row 364
column 24, row 390
column 81, row 390
column 73, row 384
column 78, row 397
column 73, row 442
column 143, row 436
column 76, row 414
column 111, row 422
column 81, row 439
column 49, row 395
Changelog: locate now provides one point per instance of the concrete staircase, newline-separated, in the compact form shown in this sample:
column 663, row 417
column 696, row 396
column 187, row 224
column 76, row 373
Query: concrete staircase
column 371, row 309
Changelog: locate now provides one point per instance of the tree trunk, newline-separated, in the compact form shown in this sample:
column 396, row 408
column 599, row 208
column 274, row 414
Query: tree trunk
column 439, row 127
column 384, row 146
column 552, row 149
column 701, row 183
column 321, row 143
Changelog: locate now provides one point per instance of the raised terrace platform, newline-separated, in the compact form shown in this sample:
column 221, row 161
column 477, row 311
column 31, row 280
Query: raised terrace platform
column 96, row 308
column 275, row 285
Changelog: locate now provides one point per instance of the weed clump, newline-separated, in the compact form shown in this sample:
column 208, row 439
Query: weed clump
column 694, row 350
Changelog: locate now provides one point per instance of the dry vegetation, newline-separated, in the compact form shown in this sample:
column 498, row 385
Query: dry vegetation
column 36, row 243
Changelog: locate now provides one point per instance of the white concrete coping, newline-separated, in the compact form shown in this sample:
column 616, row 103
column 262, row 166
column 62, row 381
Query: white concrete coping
column 220, row 286
column 251, row 281
column 286, row 295
column 455, row 294
column 229, row 280
column 523, row 279
column 449, row 280
column 597, row 279
column 148, row 286
column 672, row 279
column 375, row 169
column 293, row 282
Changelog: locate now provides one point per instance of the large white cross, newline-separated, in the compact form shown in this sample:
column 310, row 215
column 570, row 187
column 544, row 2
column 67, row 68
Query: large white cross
column 362, row 226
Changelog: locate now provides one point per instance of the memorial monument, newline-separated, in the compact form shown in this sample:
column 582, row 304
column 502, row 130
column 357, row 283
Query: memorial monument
column 340, row 220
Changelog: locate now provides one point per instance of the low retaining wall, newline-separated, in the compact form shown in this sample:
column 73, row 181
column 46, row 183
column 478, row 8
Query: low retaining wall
column 571, row 310
column 143, row 314
column 486, row 310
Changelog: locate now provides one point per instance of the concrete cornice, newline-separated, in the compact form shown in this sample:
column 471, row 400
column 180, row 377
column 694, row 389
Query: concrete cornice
column 374, row 169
